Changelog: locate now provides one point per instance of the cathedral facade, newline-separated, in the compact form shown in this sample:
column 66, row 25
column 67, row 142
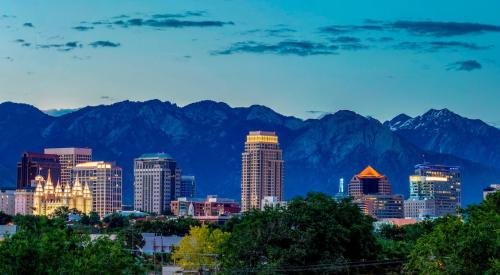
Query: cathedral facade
column 47, row 197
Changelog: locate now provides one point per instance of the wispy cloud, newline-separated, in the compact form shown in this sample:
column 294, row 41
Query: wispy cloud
column 467, row 65
column 63, row 47
column 165, row 20
column 288, row 47
column 440, row 29
column 83, row 28
column 434, row 46
column 419, row 28
column 103, row 43
column 272, row 32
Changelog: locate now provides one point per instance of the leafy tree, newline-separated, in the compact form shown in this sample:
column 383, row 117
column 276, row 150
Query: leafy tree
column 132, row 238
column 5, row 218
column 456, row 246
column 310, row 231
column 201, row 248
column 94, row 218
column 116, row 221
column 44, row 246
column 397, row 241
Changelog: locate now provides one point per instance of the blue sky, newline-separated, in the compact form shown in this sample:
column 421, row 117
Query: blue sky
column 301, row 58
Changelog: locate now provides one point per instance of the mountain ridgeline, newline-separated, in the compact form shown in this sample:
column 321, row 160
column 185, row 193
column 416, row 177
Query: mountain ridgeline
column 207, row 139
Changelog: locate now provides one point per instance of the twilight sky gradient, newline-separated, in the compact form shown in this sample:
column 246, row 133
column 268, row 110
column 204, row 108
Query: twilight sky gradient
column 301, row 58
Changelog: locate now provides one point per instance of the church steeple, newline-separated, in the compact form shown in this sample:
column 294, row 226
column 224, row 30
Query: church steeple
column 59, row 191
column 49, row 187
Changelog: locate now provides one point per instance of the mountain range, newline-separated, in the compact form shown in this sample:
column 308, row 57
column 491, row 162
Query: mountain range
column 207, row 139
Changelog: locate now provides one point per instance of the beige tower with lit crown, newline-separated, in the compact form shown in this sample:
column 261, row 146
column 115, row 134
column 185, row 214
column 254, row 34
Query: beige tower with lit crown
column 262, row 169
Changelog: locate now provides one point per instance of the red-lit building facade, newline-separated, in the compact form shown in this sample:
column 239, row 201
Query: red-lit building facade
column 211, row 206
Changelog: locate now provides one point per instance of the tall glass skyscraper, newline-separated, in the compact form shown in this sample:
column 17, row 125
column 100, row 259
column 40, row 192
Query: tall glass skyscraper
column 262, row 169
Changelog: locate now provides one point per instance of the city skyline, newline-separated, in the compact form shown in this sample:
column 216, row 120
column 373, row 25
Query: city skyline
column 323, row 56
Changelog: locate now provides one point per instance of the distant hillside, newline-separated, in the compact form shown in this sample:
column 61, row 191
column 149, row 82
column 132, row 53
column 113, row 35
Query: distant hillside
column 207, row 139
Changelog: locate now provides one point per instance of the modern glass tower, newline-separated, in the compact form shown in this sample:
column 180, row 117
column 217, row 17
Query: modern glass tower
column 34, row 164
column 262, row 169
column 440, row 185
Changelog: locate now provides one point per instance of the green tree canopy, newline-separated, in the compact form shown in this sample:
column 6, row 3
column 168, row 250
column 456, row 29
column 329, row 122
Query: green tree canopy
column 310, row 231
column 202, row 247
column 44, row 246
column 462, row 246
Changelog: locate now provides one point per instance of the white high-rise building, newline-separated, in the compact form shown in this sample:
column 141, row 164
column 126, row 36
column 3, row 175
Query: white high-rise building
column 69, row 158
column 8, row 202
column 157, row 182
column 105, row 181
column 24, row 201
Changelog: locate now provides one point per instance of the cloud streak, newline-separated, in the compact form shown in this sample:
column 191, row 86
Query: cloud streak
column 288, row 47
column 467, row 65
column 83, row 28
column 104, row 44
column 418, row 28
column 434, row 46
column 441, row 29
column 167, row 20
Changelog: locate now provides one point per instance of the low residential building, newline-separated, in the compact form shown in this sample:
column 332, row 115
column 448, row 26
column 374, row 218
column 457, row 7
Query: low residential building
column 490, row 189
column 159, row 244
column 273, row 202
column 395, row 222
column 420, row 208
column 211, row 206
column 382, row 206
column 8, row 201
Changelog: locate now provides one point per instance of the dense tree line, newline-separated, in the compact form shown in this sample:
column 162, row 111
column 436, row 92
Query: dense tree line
column 313, row 234
column 317, row 234
column 48, row 246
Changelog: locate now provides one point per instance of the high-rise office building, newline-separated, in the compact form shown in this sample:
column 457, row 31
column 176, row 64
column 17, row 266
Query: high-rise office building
column 34, row 164
column 157, row 182
column 440, row 185
column 262, row 169
column 188, row 186
column 372, row 192
column 8, row 201
column 69, row 158
column 105, row 182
